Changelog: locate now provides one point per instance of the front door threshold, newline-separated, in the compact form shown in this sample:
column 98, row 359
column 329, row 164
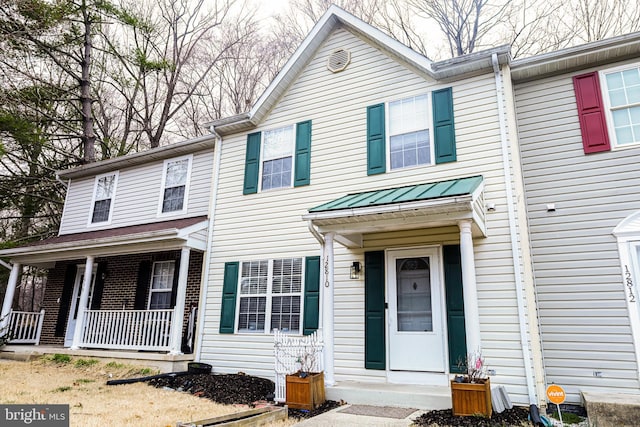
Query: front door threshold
column 418, row 378
column 426, row 397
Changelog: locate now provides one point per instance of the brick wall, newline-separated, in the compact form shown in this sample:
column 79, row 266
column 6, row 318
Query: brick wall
column 119, row 289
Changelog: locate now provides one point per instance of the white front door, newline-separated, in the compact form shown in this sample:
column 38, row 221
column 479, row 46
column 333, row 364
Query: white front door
column 416, row 325
column 75, row 303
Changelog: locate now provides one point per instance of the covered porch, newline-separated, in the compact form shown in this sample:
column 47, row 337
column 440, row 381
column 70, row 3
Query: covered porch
column 349, row 219
column 142, row 293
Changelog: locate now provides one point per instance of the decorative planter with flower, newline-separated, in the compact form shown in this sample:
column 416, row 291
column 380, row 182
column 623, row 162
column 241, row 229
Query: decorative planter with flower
column 471, row 393
column 305, row 389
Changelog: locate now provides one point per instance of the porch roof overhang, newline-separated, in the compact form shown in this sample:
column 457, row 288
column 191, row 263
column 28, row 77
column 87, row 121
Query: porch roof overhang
column 428, row 205
column 158, row 236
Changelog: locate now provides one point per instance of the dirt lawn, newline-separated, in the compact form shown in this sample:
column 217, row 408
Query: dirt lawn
column 80, row 383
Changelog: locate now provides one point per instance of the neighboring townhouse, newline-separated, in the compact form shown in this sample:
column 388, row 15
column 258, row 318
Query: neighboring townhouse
column 578, row 118
column 369, row 194
column 139, row 223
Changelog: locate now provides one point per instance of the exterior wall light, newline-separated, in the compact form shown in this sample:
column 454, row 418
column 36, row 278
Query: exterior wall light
column 355, row 270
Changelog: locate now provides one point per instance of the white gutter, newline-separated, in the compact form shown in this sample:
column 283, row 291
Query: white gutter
column 204, row 288
column 514, row 235
column 66, row 184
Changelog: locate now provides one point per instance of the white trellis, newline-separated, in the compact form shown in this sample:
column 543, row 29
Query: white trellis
column 295, row 353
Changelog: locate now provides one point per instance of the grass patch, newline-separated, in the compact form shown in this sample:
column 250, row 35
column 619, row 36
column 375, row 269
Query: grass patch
column 84, row 381
column 62, row 389
column 59, row 358
column 115, row 365
column 147, row 371
column 85, row 362
column 568, row 417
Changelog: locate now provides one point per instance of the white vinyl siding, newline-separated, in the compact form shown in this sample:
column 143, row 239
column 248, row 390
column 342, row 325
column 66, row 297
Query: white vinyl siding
column 337, row 105
column 581, row 301
column 138, row 196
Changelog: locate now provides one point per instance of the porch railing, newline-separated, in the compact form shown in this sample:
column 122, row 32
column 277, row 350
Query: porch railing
column 293, row 353
column 25, row 327
column 128, row 329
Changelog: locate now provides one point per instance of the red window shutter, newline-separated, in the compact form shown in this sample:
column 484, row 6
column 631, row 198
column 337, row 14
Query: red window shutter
column 593, row 124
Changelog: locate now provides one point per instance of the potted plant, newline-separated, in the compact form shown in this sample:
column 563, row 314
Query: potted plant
column 305, row 389
column 471, row 392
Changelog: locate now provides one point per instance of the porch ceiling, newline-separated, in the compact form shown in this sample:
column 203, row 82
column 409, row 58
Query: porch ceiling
column 429, row 205
column 160, row 236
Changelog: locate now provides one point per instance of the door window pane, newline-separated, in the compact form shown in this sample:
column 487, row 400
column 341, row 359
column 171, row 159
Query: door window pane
column 413, row 281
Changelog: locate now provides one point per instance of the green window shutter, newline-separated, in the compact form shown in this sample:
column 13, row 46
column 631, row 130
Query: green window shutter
column 443, row 128
column 374, row 311
column 376, row 151
column 302, row 166
column 229, row 290
column 252, row 164
column 311, row 294
column 455, row 306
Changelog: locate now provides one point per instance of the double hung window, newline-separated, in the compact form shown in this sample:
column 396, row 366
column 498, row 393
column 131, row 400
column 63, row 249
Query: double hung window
column 270, row 295
column 103, row 194
column 277, row 159
column 622, row 94
column 409, row 141
column 161, row 285
column 175, row 184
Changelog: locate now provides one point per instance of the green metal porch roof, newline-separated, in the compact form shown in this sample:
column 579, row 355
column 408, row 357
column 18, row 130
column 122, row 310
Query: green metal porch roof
column 433, row 190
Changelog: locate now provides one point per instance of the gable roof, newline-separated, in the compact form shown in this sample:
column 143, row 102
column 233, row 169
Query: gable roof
column 334, row 18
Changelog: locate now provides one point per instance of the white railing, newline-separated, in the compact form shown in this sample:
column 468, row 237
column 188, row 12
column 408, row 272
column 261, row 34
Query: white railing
column 25, row 326
column 292, row 354
column 127, row 329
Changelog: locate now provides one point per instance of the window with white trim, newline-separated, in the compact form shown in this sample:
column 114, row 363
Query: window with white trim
column 622, row 95
column 270, row 296
column 103, row 195
column 175, row 185
column 409, row 140
column 277, row 157
column 161, row 285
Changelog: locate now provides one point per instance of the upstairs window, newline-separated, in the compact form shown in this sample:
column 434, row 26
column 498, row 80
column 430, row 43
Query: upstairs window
column 103, row 195
column 161, row 285
column 270, row 295
column 277, row 159
column 622, row 94
column 409, row 141
column 175, row 183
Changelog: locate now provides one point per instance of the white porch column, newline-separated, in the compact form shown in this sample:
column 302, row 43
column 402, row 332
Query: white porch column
column 178, row 311
column 469, row 287
column 327, row 311
column 8, row 296
column 84, row 300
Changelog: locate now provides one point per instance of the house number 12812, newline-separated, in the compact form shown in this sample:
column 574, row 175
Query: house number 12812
column 629, row 282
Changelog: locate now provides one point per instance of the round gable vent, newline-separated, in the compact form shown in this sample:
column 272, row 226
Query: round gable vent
column 338, row 60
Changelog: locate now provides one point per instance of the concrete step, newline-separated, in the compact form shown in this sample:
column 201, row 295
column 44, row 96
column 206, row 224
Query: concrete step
column 386, row 394
column 612, row 409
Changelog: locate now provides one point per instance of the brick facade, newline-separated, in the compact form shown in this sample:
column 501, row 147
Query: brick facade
column 119, row 291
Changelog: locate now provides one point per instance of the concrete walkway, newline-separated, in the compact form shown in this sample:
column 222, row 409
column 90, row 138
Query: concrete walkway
column 363, row 415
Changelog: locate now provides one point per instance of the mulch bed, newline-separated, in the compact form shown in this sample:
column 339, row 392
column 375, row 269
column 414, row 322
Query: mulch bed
column 508, row 418
column 246, row 389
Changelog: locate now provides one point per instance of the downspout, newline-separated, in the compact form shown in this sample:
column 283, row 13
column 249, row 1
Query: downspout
column 6, row 264
column 513, row 232
column 65, row 184
column 204, row 288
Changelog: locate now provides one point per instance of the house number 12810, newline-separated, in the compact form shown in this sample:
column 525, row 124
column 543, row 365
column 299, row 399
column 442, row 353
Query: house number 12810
column 629, row 282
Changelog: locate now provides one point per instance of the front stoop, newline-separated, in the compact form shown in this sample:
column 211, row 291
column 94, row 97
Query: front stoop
column 612, row 409
column 399, row 395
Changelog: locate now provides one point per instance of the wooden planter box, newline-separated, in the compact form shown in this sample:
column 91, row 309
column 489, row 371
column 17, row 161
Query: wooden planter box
column 471, row 399
column 305, row 393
